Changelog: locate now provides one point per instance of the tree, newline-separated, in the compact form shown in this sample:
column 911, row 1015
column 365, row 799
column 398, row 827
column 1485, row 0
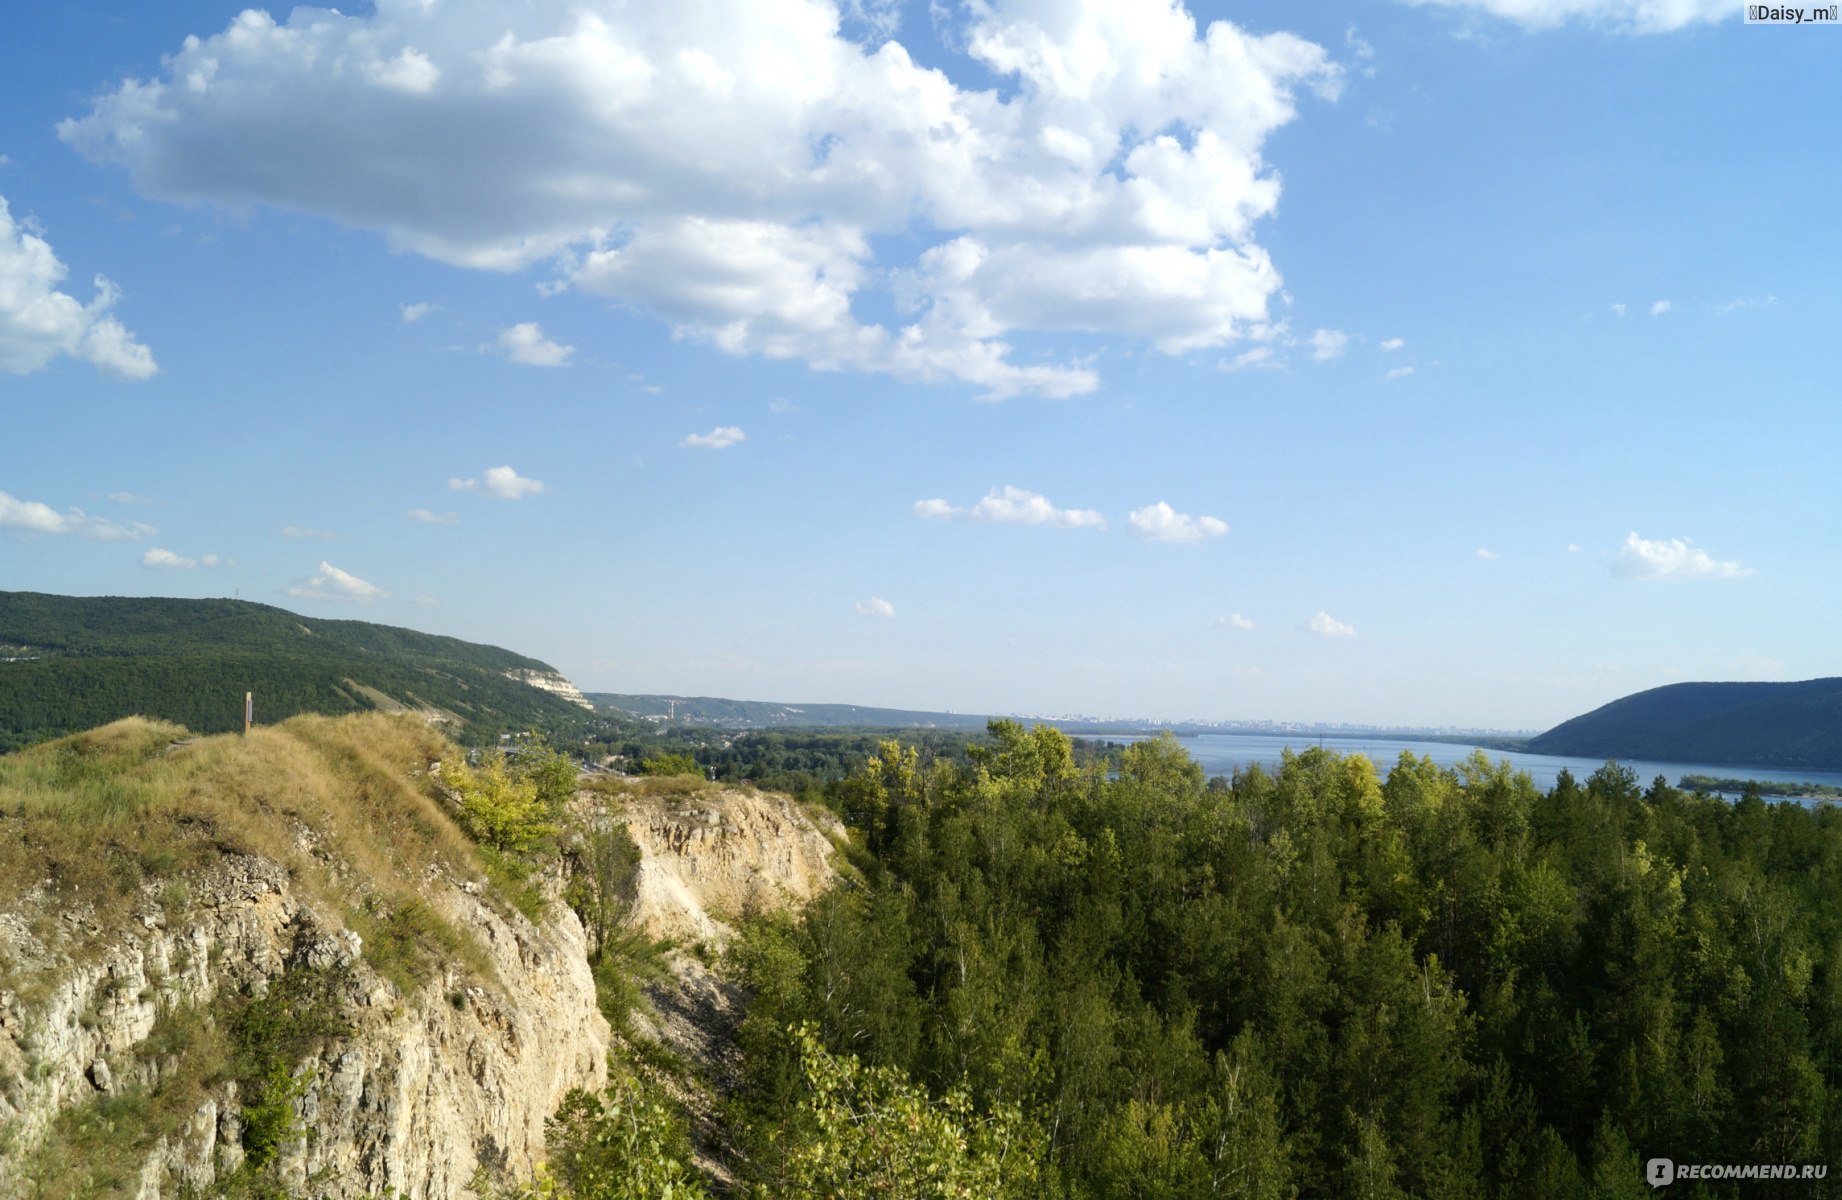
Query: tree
column 605, row 869
column 869, row 1133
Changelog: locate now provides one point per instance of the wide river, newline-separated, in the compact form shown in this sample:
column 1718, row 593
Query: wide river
column 1221, row 753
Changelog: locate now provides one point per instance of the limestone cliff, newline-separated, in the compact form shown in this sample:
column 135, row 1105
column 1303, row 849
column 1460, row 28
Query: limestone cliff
column 553, row 682
column 125, row 1035
column 423, row 1089
column 713, row 855
column 165, row 900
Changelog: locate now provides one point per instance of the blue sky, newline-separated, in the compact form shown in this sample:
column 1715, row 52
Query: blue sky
column 1461, row 363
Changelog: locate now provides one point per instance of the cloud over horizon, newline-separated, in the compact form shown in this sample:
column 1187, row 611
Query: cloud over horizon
column 331, row 583
column 1011, row 505
column 1671, row 558
column 1161, row 523
column 720, row 438
column 1327, row 626
column 166, row 560
column 38, row 322
column 526, row 345
column 32, row 516
column 502, row 482
column 728, row 166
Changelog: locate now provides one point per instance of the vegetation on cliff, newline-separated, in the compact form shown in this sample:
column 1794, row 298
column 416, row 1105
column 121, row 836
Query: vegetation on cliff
column 113, row 837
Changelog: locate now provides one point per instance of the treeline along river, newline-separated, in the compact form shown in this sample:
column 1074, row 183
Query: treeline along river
column 1225, row 753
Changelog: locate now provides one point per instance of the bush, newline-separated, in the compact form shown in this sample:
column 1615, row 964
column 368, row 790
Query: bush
column 866, row 1133
column 501, row 808
column 671, row 764
column 624, row 1144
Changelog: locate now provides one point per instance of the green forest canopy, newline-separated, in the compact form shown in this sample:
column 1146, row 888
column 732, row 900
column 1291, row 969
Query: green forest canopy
column 1314, row 982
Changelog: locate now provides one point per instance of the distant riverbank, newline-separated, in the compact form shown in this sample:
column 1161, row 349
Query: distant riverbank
column 1224, row 753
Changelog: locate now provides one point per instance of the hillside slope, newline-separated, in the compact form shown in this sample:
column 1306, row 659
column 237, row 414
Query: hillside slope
column 70, row 663
column 1744, row 724
column 768, row 714
column 270, row 966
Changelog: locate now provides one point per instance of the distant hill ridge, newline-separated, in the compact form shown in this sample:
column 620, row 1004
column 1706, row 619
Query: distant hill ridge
column 1744, row 724
column 764, row 714
column 74, row 662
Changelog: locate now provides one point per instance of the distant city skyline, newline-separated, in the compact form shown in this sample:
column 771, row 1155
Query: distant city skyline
column 1461, row 363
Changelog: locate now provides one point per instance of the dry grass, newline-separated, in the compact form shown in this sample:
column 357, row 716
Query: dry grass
column 654, row 787
column 345, row 804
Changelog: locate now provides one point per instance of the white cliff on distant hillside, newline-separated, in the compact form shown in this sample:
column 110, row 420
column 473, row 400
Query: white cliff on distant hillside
column 554, row 683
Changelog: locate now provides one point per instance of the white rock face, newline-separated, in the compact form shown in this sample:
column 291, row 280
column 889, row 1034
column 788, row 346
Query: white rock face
column 709, row 858
column 425, row 1088
column 555, row 684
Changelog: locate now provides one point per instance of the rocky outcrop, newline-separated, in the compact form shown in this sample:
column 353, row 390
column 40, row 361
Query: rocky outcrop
column 424, row 1087
column 127, row 1014
column 554, row 683
column 710, row 857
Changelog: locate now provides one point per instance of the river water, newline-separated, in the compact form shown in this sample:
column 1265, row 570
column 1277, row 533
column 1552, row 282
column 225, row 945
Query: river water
column 1222, row 753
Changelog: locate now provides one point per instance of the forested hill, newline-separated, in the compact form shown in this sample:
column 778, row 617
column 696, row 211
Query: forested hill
column 764, row 714
column 1751, row 724
column 70, row 662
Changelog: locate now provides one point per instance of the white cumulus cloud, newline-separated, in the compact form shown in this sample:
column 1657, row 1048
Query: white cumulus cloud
column 1263, row 358
column 502, row 482
column 1232, row 621
column 1660, row 307
column 1671, row 558
column 431, row 517
column 1162, row 523
column 38, row 322
column 1487, row 554
column 1636, row 16
column 1392, row 344
column 415, row 312
column 527, row 344
column 875, row 606
column 1329, row 343
column 720, row 438
column 1327, row 626
column 166, row 560
column 1399, row 373
column 330, row 583
column 733, row 165
column 1010, row 505
column 32, row 516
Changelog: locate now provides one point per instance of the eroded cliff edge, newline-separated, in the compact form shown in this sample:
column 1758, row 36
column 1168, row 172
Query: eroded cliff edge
column 274, row 965
column 274, row 953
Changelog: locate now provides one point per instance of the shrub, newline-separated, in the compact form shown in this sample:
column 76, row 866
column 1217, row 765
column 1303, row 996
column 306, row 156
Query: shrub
column 671, row 764
column 501, row 808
